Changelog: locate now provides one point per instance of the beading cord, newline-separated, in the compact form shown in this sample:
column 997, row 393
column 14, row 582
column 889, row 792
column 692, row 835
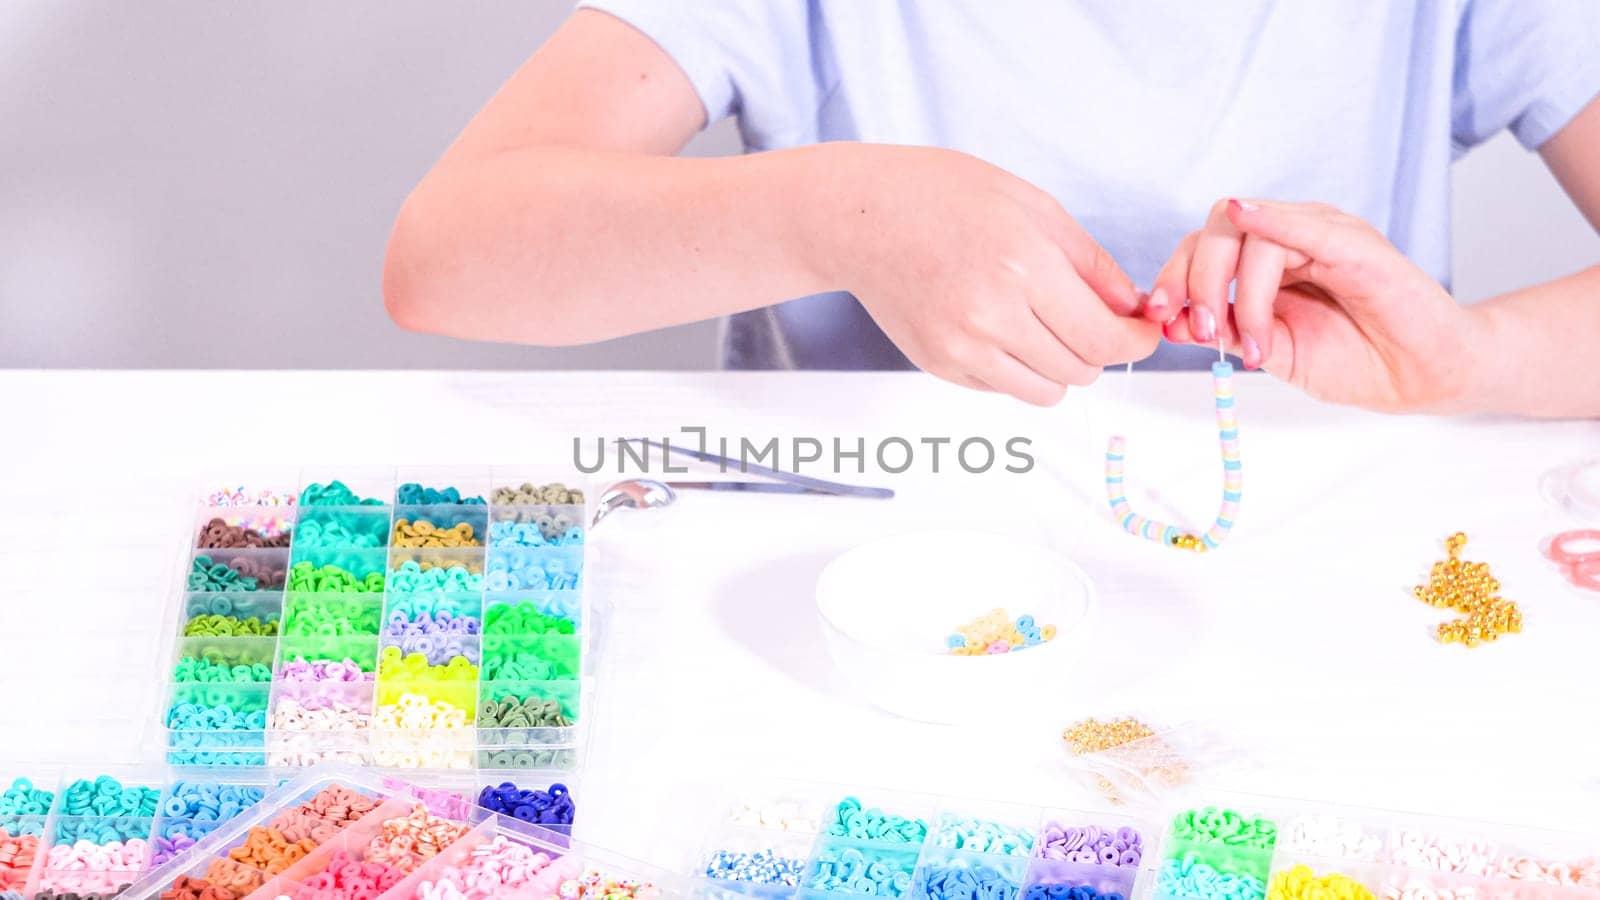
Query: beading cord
column 1232, row 475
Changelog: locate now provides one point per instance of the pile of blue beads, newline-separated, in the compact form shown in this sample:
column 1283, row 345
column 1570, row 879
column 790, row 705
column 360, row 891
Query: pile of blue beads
column 558, row 531
column 979, row 836
column 552, row 806
column 522, row 572
column 762, row 867
column 862, row 870
column 193, row 810
column 414, row 494
column 960, row 882
column 1067, row 892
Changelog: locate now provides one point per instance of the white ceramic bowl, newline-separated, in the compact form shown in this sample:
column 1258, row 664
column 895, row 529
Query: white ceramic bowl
column 888, row 607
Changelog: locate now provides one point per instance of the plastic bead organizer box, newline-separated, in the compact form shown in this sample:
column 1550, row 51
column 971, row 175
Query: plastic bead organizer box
column 428, row 618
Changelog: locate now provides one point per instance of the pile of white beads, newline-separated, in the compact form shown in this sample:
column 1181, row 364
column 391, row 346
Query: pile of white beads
column 417, row 732
column 303, row 735
column 1422, row 850
column 781, row 815
column 1331, row 837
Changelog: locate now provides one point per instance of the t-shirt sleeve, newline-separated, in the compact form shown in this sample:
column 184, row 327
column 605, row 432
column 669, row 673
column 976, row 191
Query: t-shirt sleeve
column 747, row 58
column 1526, row 65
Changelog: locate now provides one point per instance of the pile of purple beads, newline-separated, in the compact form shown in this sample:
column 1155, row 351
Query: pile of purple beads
column 1092, row 845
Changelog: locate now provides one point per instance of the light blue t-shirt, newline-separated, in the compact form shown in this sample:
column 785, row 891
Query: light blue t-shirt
column 1137, row 116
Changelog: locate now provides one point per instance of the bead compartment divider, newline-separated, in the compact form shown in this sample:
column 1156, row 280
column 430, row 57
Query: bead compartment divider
column 817, row 802
column 498, row 748
column 396, row 794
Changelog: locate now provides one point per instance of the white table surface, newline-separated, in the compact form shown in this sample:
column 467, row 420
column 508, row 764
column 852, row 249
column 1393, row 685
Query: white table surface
column 1298, row 642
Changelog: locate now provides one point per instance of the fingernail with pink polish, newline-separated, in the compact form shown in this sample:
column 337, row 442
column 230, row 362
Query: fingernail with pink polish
column 1252, row 353
column 1204, row 324
column 1245, row 205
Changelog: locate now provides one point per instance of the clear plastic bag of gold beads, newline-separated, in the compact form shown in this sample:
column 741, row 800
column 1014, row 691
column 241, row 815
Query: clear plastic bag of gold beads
column 1136, row 761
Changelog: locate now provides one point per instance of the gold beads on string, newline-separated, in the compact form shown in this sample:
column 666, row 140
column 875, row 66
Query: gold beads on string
column 1189, row 542
column 1471, row 590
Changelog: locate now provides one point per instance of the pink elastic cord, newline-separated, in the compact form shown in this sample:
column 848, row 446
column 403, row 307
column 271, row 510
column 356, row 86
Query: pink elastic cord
column 1558, row 546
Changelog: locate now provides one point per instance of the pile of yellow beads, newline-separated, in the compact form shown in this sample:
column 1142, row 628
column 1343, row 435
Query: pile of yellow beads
column 423, row 533
column 997, row 632
column 1471, row 590
column 1300, row 883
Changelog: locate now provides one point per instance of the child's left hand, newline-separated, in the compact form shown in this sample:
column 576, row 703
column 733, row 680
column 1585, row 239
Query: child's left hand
column 1323, row 301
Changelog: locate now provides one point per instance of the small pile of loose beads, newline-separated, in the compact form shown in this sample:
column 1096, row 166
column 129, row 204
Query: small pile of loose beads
column 187, row 888
column 334, row 493
column 417, row 712
column 979, row 836
column 523, row 618
column 413, row 494
column 1211, row 825
column 22, row 798
column 193, row 810
column 551, row 806
column 105, row 797
column 238, row 496
column 396, row 665
column 552, row 663
column 498, row 868
column 319, row 730
column 200, row 669
column 850, row 820
column 1300, row 883
column 448, row 613
column 1093, row 736
column 304, row 577
column 243, row 575
column 411, row 577
column 217, row 534
column 1182, row 879
column 1330, row 837
column 1121, row 847
column 228, row 626
column 1580, row 873
column 327, row 617
column 881, row 873
column 1422, row 850
column 958, row 881
column 532, row 712
column 1067, row 892
column 523, row 572
column 437, row 649
column 998, row 633
column 765, row 867
column 1471, row 590
column 593, row 884
column 546, row 530
column 19, row 837
column 264, row 853
column 423, row 533
column 347, row 669
column 217, row 714
column 784, row 815
column 88, row 866
column 528, row 495
column 346, row 876
column 420, row 835
column 340, row 531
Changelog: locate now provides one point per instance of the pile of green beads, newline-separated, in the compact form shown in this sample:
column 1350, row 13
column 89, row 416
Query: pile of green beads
column 304, row 577
column 205, row 575
column 533, row 712
column 1226, row 841
column 334, row 493
column 198, row 669
column 848, row 819
column 550, row 657
column 394, row 665
column 523, row 618
column 329, row 617
column 229, row 626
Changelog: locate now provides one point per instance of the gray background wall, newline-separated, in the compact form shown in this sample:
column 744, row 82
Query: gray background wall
column 193, row 184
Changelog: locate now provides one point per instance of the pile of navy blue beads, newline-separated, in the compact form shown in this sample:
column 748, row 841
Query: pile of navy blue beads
column 550, row 807
column 762, row 867
column 1064, row 892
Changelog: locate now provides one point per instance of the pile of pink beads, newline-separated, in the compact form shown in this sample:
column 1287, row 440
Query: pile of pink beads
column 86, row 867
column 490, row 870
column 323, row 670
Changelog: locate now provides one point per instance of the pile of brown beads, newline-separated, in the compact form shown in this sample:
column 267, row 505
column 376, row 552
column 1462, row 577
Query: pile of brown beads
column 1140, row 752
column 529, row 495
column 1471, row 590
column 219, row 535
column 186, row 888
column 423, row 533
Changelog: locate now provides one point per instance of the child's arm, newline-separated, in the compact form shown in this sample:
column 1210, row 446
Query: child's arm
column 560, row 217
column 1324, row 301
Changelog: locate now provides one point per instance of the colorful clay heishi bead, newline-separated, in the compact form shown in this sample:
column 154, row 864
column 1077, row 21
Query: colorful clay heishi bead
column 1301, row 883
column 84, row 866
column 219, row 534
column 980, row 836
column 1330, row 837
column 494, row 870
column 239, row 495
column 849, row 819
column 525, row 758
column 532, row 570
column 422, row 532
column 551, row 806
column 334, row 493
column 527, row 494
column 959, row 881
column 105, row 796
column 412, row 577
column 22, row 805
column 533, row 710
column 780, row 815
column 415, row 494
column 349, row 876
column 308, row 578
column 523, row 617
column 239, row 574
column 229, row 626
column 347, row 669
column 331, row 615
column 545, row 529
column 217, row 724
column 195, row 668
column 1049, row 891
column 763, row 867
column 415, row 730
column 1092, row 845
column 996, row 632
column 1423, row 850
column 394, row 664
column 864, row 869
column 404, row 841
column 1189, row 879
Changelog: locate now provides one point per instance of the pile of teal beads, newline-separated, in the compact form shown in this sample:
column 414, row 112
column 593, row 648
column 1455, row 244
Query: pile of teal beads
column 979, row 836
column 850, row 820
column 334, row 493
column 880, row 872
column 104, row 810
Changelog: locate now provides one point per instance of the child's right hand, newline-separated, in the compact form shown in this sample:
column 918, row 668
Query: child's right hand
column 977, row 276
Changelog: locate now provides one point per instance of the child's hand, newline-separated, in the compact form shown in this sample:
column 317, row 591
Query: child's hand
column 1323, row 301
column 976, row 275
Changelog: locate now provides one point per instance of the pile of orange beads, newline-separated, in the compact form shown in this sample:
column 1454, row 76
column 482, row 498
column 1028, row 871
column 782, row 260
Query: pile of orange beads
column 1471, row 590
column 997, row 632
